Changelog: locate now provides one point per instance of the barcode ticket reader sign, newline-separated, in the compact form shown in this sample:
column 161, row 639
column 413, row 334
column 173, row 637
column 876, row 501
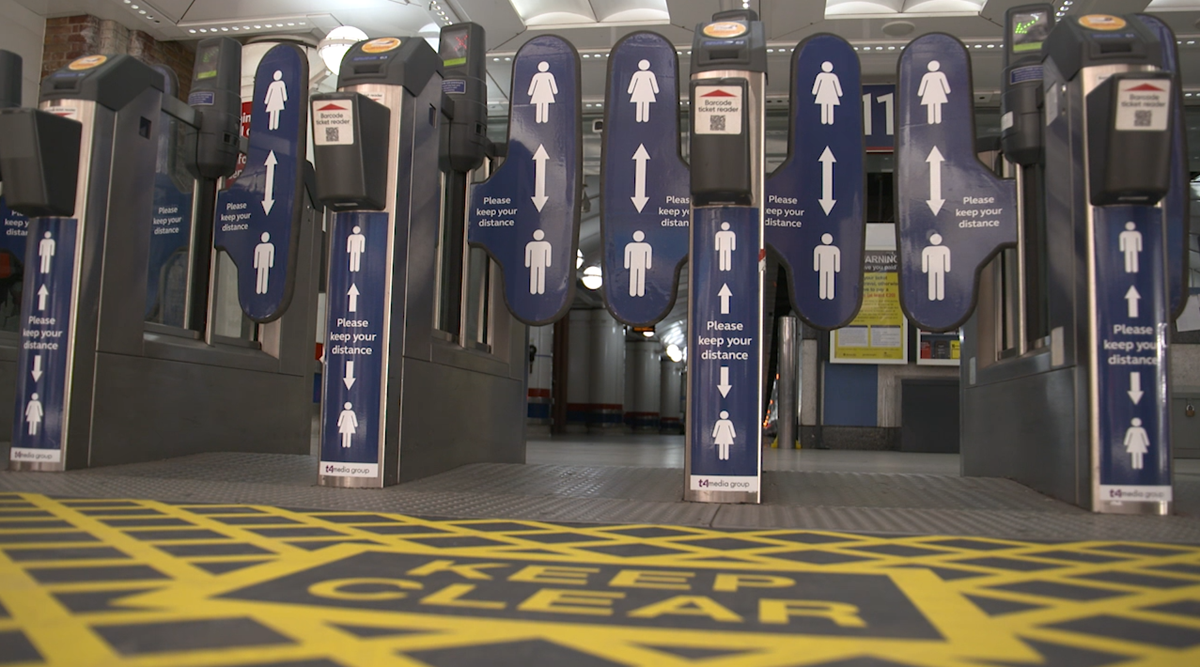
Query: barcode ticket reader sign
column 724, row 456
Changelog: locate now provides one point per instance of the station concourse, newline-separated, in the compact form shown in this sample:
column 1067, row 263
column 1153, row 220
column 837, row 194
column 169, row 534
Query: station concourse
column 634, row 332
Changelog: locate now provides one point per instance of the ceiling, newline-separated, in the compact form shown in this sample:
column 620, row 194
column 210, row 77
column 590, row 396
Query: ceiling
column 879, row 29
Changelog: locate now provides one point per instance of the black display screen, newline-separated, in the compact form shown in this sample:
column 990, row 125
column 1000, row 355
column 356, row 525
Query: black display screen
column 207, row 60
column 454, row 46
column 1029, row 30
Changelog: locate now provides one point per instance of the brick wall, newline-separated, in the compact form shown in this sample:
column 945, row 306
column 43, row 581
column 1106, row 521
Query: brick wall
column 72, row 37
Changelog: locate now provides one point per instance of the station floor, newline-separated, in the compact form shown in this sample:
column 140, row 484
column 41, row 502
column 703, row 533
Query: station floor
column 586, row 557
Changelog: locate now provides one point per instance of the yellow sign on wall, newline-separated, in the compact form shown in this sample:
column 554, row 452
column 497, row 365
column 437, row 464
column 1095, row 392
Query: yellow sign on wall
column 879, row 334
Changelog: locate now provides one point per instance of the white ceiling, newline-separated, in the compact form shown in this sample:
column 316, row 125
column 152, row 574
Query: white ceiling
column 593, row 26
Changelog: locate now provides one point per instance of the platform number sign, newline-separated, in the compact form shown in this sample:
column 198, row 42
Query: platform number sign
column 879, row 117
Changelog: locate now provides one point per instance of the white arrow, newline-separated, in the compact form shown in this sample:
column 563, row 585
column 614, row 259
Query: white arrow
column 725, row 294
column 935, row 200
column 1132, row 297
column 539, row 188
column 269, row 194
column 724, row 386
column 827, row 201
column 639, row 177
column 349, row 379
column 37, row 367
column 353, row 294
column 1135, row 387
column 42, row 294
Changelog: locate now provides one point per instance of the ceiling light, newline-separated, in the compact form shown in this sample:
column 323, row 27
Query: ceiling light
column 674, row 353
column 593, row 277
column 335, row 45
column 578, row 252
column 648, row 334
column 192, row 31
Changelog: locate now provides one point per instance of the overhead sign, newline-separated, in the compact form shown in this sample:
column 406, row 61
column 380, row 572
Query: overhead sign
column 171, row 235
column 1131, row 419
column 46, row 339
column 725, row 349
column 645, row 205
column 814, row 200
column 258, row 216
column 526, row 216
column 953, row 214
column 879, row 117
column 353, row 377
column 1176, row 204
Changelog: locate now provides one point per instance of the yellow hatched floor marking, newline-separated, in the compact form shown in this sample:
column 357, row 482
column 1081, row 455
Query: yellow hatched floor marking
column 989, row 568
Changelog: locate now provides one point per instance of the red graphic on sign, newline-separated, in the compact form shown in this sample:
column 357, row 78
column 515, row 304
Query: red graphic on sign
column 1145, row 87
column 719, row 93
column 332, row 107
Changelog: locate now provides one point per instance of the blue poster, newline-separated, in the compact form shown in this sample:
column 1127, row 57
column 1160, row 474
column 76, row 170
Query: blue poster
column 526, row 216
column 879, row 117
column 1176, row 203
column 646, row 204
column 1131, row 344
column 42, row 361
column 952, row 213
column 724, row 349
column 258, row 216
column 814, row 215
column 356, row 305
column 171, row 236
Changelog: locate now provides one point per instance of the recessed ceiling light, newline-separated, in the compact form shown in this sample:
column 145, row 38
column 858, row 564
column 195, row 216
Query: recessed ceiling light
column 192, row 31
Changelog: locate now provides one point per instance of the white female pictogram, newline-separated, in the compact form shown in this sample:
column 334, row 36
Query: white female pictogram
column 933, row 91
column 643, row 89
column 827, row 92
column 276, row 99
column 723, row 435
column 542, row 89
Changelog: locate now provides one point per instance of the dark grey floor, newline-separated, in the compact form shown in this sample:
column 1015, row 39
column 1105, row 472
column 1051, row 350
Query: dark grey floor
column 638, row 480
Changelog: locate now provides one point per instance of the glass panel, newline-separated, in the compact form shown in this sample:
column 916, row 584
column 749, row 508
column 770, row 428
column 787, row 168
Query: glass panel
column 478, row 265
column 171, row 233
column 12, row 265
column 228, row 320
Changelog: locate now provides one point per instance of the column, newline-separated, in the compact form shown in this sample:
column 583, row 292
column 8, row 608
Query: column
column 540, row 365
column 578, row 370
column 642, row 403
column 607, row 372
column 670, row 396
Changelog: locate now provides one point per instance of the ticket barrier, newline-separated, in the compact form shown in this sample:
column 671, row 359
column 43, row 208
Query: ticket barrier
column 396, row 384
column 1064, row 369
column 98, row 385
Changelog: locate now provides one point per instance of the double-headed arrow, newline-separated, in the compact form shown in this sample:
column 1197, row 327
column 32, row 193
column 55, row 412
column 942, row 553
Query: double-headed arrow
column 639, row 177
column 827, row 201
column 539, row 179
column 269, row 193
column 935, row 161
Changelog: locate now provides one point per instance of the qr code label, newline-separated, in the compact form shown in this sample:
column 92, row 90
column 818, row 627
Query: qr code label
column 1143, row 104
column 718, row 109
column 333, row 122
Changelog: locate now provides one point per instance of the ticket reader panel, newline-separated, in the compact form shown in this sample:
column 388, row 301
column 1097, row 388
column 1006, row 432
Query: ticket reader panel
column 723, row 458
column 1108, row 147
column 116, row 102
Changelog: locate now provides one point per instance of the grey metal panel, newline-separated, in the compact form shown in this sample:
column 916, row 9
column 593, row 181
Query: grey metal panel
column 1024, row 429
column 453, row 417
column 424, row 222
column 152, row 409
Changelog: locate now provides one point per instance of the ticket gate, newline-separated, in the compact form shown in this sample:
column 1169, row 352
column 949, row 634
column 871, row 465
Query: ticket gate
column 396, row 383
column 1080, row 413
column 97, row 384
